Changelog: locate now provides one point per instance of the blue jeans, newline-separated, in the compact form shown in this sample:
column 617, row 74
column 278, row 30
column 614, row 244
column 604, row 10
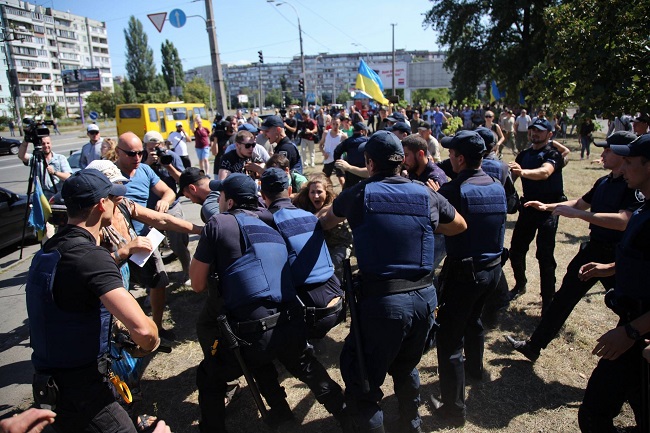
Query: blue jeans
column 394, row 329
column 585, row 142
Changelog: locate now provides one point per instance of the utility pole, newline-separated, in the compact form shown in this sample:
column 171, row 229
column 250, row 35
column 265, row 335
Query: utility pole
column 393, row 73
column 217, row 74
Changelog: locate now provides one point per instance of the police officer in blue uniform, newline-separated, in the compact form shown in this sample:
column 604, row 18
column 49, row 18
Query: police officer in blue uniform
column 312, row 270
column 393, row 220
column 610, row 203
column 471, row 271
column 354, row 165
column 540, row 170
column 73, row 289
column 260, row 303
column 618, row 376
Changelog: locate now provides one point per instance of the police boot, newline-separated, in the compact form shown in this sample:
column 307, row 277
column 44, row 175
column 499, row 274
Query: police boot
column 526, row 348
column 279, row 414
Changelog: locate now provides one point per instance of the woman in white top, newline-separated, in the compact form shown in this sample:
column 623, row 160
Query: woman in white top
column 327, row 145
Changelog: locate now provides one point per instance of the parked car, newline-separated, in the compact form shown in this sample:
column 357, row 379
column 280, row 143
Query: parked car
column 12, row 217
column 9, row 145
column 73, row 160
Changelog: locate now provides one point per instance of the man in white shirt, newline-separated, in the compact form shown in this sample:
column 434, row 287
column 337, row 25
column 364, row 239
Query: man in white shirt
column 178, row 143
column 521, row 126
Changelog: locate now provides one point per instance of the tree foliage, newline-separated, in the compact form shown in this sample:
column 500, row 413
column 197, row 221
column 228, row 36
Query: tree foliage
column 197, row 90
column 599, row 57
column 129, row 94
column 140, row 68
column 172, row 67
column 273, row 98
column 490, row 39
column 104, row 102
column 425, row 97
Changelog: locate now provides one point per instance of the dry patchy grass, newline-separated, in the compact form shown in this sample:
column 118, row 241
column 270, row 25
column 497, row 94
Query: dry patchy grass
column 520, row 397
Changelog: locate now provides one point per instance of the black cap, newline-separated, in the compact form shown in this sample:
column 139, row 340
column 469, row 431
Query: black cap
column 619, row 137
column 397, row 117
column 274, row 180
column 541, row 124
column 400, row 126
column 643, row 117
column 424, row 126
column 488, row 137
column 639, row 147
column 467, row 143
column 237, row 186
column 383, row 146
column 189, row 176
column 272, row 121
column 360, row 126
column 86, row 187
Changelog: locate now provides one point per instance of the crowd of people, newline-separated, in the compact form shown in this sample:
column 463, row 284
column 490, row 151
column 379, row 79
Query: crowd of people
column 275, row 248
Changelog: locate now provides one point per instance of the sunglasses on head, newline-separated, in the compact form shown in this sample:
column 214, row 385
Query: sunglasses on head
column 131, row 153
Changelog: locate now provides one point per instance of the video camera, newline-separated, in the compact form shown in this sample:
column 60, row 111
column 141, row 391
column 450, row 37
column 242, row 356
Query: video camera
column 164, row 157
column 35, row 131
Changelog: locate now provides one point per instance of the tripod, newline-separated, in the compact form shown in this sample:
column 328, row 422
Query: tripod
column 37, row 167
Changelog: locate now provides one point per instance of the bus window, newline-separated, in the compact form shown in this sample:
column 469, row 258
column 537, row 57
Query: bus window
column 180, row 113
column 201, row 112
column 130, row 113
column 163, row 125
column 168, row 114
column 153, row 115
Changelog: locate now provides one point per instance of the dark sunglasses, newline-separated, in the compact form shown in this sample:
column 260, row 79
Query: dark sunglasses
column 93, row 132
column 248, row 145
column 489, row 117
column 131, row 153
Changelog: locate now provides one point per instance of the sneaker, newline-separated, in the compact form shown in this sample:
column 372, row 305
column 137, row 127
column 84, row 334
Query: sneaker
column 525, row 348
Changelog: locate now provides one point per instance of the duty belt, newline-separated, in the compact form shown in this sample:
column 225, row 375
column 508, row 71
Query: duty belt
column 478, row 266
column 372, row 286
column 266, row 323
column 314, row 314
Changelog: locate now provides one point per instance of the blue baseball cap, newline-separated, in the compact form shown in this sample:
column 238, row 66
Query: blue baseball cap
column 272, row 121
column 383, row 146
column 618, row 138
column 274, row 180
column 488, row 137
column 467, row 143
column 248, row 127
column 639, row 147
column 541, row 124
column 86, row 187
column 400, row 126
column 397, row 117
column 237, row 186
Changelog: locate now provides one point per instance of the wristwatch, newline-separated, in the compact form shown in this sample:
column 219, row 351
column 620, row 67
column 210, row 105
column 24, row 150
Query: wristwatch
column 632, row 332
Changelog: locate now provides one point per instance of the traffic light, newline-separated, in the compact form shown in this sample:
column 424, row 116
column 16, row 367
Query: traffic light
column 261, row 56
column 301, row 85
column 76, row 74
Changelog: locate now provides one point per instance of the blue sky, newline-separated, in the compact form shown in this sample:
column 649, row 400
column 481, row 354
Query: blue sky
column 246, row 26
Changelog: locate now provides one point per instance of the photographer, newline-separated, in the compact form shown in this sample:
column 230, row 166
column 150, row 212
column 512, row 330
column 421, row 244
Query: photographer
column 178, row 143
column 168, row 166
column 57, row 170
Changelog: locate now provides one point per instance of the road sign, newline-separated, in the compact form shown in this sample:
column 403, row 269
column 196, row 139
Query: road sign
column 93, row 115
column 158, row 20
column 177, row 18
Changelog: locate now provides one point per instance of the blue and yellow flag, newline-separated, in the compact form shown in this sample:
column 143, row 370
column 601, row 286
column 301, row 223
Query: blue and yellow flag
column 495, row 94
column 369, row 82
column 41, row 210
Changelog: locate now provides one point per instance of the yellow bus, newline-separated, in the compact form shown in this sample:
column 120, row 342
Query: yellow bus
column 142, row 118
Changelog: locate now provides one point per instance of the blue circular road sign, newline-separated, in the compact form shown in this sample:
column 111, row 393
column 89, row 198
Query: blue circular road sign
column 177, row 18
column 93, row 115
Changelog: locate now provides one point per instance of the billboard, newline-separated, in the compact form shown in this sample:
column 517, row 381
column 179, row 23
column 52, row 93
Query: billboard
column 384, row 70
column 81, row 80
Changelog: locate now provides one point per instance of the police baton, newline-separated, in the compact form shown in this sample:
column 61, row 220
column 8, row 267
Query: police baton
column 233, row 343
column 355, row 325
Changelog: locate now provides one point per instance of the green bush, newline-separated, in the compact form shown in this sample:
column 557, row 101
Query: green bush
column 453, row 125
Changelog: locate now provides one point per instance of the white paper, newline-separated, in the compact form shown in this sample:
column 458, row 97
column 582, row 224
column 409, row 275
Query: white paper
column 141, row 258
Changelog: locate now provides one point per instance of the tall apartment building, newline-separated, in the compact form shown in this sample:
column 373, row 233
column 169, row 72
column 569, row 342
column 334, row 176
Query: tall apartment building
column 331, row 74
column 40, row 43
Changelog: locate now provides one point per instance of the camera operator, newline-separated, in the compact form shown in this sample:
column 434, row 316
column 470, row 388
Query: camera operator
column 178, row 143
column 168, row 166
column 57, row 166
column 93, row 149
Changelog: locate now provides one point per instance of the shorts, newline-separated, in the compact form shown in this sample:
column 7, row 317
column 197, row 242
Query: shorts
column 202, row 153
column 329, row 167
column 152, row 275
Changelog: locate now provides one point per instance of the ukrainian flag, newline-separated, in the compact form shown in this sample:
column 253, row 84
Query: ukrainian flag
column 41, row 210
column 369, row 82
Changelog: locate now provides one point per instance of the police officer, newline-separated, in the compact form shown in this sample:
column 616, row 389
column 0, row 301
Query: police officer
column 260, row 303
column 618, row 376
column 611, row 204
column 354, row 165
column 73, row 289
column 312, row 269
column 540, row 169
column 471, row 271
column 393, row 220
column 195, row 185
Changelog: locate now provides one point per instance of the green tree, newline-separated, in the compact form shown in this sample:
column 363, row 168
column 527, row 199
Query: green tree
column 129, row 94
column 158, row 92
column 273, row 98
column 599, row 58
column 140, row 68
column 343, row 97
column 425, row 97
column 197, row 90
column 103, row 102
column 490, row 39
column 172, row 68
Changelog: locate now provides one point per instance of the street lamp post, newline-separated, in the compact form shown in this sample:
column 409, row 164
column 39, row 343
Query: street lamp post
column 302, row 54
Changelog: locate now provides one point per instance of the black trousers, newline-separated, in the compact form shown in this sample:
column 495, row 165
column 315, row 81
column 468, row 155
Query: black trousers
column 532, row 222
column 571, row 291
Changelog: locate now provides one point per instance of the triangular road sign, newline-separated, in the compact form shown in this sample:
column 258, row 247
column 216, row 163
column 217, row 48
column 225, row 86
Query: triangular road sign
column 158, row 20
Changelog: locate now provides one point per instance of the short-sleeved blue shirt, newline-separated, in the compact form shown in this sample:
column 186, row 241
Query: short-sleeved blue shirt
column 138, row 190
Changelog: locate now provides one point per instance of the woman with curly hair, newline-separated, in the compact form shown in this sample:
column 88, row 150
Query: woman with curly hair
column 108, row 150
column 317, row 194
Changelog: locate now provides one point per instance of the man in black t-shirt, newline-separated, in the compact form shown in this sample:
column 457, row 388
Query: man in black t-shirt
column 273, row 128
column 70, row 319
column 239, row 159
column 540, row 170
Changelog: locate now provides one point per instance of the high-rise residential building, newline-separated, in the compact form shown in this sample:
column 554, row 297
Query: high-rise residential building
column 328, row 75
column 38, row 45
